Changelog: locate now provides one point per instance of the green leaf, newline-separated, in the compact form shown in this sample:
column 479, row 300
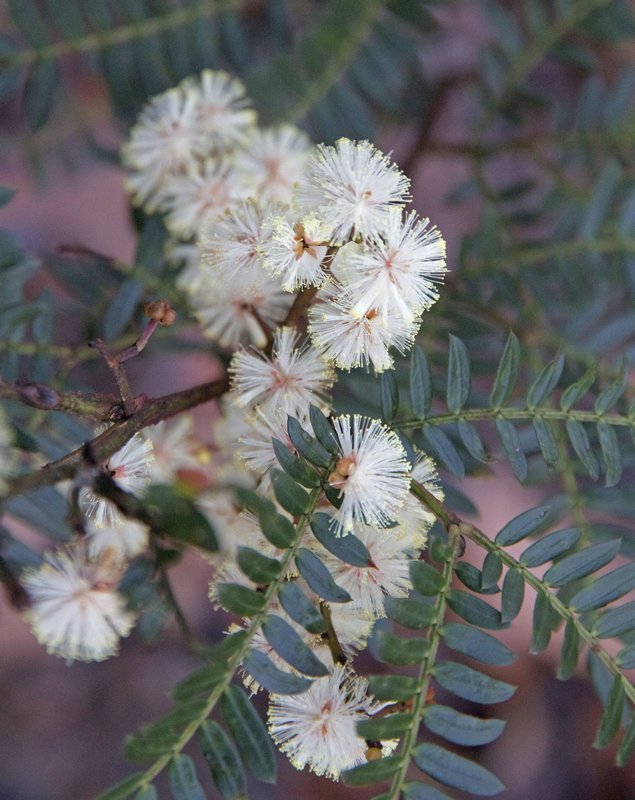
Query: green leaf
column 491, row 572
column 512, row 446
column 615, row 621
column 470, row 684
column 290, row 496
column 184, row 783
column 471, row 440
column 392, row 688
column 255, row 503
column 201, row 681
column 454, row 770
column 605, row 589
column 546, row 440
column 223, row 760
column 383, row 728
column 425, row 578
column 372, row 772
column 295, row 467
column 570, row 652
column 522, row 526
column 607, row 399
column 580, row 564
column 546, row 382
column 461, row 728
column 347, row 548
column 306, row 445
column 441, row 446
column 240, row 600
column 258, row 568
column 544, row 619
column 550, row 547
column 122, row 308
column 420, row 383
column 610, row 453
column 277, row 529
column 474, row 610
column 289, row 646
column 415, row 790
column 507, row 373
column 476, row 644
column 161, row 736
column 39, row 92
column 389, row 395
column 6, row 195
column 323, row 430
column 250, row 733
column 319, row 577
column 147, row 793
column 396, row 650
column 627, row 745
column 573, row 393
column 512, row 595
column 582, row 446
column 626, row 658
column 300, row 609
column 612, row 715
column 458, row 387
column 123, row 789
column 409, row 612
column 471, row 577
column 273, row 679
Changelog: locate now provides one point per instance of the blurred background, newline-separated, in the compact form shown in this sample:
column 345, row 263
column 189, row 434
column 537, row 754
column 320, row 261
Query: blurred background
column 505, row 115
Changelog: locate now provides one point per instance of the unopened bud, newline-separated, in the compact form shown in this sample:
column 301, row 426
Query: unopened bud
column 161, row 311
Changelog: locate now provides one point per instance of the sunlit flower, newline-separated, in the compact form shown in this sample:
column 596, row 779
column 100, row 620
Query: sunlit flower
column 396, row 272
column 130, row 468
column 75, row 610
column 287, row 383
column 295, row 251
column 316, row 729
column 272, row 161
column 352, row 187
column 372, row 474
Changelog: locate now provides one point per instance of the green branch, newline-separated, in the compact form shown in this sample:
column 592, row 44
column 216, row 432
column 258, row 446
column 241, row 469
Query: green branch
column 556, row 414
column 478, row 537
column 237, row 657
column 122, row 34
column 434, row 638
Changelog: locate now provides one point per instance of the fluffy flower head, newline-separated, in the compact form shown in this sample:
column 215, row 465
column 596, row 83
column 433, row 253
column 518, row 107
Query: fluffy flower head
column 373, row 473
column 352, row 186
column 75, row 609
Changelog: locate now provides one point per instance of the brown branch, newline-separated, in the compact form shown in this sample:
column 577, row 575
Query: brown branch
column 149, row 412
column 46, row 398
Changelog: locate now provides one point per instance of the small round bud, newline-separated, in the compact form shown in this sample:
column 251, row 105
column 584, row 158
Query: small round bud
column 160, row 311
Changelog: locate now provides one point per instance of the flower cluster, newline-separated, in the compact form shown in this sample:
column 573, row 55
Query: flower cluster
column 258, row 217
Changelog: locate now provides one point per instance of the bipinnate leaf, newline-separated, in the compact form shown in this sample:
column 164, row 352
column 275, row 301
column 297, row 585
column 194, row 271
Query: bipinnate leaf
column 289, row 646
column 477, row 644
column 507, row 372
column 522, row 526
column 183, row 780
column 550, row 547
column 319, row 578
column 459, row 728
column 292, row 497
column 420, row 383
column 300, row 608
column 273, row 679
column 347, row 548
column 223, row 760
column 454, row 770
column 458, row 385
column 250, row 733
column 470, row 684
